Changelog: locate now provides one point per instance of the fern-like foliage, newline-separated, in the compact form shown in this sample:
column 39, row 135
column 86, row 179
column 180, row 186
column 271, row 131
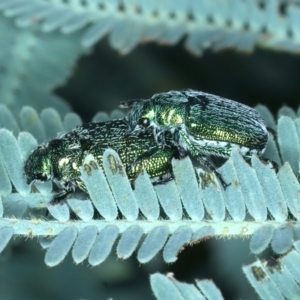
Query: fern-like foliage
column 218, row 24
column 40, row 42
column 53, row 34
column 167, row 287
column 276, row 279
column 23, row 52
column 259, row 202
column 272, row 279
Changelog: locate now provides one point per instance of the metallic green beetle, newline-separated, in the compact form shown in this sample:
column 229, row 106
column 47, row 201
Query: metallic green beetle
column 201, row 124
column 60, row 159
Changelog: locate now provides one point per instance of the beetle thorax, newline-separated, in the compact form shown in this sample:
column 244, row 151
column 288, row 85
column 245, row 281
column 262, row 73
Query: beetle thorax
column 169, row 115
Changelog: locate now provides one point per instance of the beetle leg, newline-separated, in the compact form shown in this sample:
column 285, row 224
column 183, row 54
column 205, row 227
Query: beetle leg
column 164, row 180
column 207, row 164
column 60, row 196
column 273, row 163
column 81, row 185
column 201, row 158
column 67, row 188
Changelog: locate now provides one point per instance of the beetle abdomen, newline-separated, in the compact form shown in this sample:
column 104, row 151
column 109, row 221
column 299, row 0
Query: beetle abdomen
column 215, row 118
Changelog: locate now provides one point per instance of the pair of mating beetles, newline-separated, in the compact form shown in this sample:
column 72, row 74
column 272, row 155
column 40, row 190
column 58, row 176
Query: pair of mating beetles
column 168, row 125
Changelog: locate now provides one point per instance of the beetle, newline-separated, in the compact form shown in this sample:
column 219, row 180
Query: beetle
column 200, row 123
column 59, row 160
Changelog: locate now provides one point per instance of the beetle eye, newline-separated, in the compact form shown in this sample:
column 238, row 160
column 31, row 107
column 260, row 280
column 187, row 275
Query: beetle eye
column 42, row 177
column 145, row 122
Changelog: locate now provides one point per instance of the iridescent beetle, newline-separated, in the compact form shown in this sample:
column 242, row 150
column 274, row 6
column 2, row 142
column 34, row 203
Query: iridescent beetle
column 201, row 124
column 60, row 159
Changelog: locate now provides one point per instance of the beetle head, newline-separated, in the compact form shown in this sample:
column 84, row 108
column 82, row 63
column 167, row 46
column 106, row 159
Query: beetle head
column 141, row 116
column 38, row 165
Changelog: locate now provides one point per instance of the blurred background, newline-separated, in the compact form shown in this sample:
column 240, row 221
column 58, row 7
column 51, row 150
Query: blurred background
column 100, row 80
column 104, row 77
